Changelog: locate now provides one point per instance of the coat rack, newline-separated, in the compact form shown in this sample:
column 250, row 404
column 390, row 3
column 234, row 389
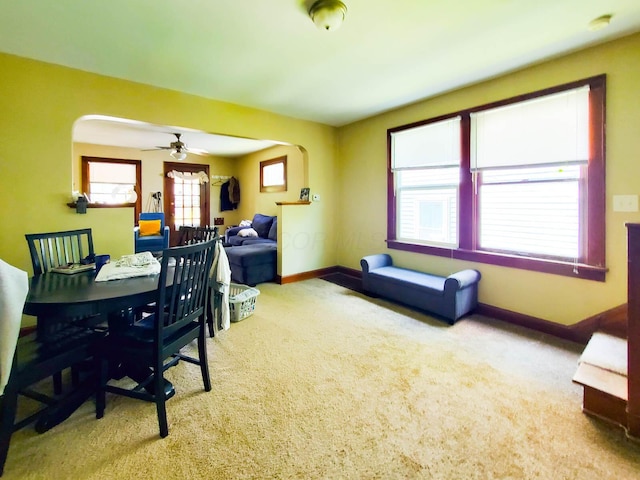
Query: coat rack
column 219, row 179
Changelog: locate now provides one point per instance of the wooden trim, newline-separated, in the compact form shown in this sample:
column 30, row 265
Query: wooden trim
column 580, row 332
column 348, row 271
column 298, row 277
column 568, row 269
column 527, row 321
column 612, row 321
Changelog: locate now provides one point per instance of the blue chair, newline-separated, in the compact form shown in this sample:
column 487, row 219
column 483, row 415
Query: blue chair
column 151, row 243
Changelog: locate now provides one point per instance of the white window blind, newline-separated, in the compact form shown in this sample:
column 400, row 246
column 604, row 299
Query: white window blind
column 103, row 172
column 426, row 165
column 553, row 129
column 433, row 145
column 531, row 211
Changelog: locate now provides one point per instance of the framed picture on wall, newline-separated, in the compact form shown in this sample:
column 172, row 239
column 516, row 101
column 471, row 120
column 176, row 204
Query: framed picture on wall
column 304, row 194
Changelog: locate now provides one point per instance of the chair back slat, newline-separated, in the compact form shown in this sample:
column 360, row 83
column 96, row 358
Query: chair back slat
column 190, row 235
column 49, row 250
column 183, row 300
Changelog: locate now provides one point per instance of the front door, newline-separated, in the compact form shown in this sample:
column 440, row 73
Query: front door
column 186, row 199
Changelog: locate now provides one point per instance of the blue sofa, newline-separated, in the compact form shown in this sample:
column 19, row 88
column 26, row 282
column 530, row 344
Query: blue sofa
column 450, row 297
column 253, row 259
column 266, row 227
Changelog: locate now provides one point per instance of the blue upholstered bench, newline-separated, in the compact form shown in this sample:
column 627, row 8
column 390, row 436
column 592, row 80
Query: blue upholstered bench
column 449, row 297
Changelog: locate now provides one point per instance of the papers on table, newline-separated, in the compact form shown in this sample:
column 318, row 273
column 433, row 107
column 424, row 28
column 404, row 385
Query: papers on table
column 128, row 266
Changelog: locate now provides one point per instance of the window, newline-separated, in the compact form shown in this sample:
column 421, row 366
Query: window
column 111, row 182
column 518, row 183
column 273, row 175
column 426, row 163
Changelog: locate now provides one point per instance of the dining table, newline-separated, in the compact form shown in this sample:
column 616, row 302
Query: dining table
column 58, row 299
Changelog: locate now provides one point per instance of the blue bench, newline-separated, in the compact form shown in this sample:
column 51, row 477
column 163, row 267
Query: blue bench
column 450, row 297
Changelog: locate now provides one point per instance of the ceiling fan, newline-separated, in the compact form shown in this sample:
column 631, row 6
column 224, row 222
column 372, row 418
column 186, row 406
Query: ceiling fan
column 179, row 149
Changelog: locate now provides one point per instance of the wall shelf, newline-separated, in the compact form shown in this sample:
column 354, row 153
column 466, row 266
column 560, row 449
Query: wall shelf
column 293, row 203
column 103, row 205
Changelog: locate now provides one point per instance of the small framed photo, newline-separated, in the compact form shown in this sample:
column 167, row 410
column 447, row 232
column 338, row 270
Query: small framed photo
column 304, row 194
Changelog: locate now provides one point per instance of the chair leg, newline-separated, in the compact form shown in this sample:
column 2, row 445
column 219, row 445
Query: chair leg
column 102, row 368
column 212, row 313
column 57, row 383
column 161, row 400
column 8, row 405
column 204, row 365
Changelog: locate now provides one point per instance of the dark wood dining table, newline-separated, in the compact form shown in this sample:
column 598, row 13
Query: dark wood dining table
column 55, row 298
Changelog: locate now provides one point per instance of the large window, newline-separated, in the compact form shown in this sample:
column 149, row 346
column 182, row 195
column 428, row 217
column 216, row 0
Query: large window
column 518, row 183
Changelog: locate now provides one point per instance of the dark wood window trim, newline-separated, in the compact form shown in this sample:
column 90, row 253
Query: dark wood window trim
column 137, row 205
column 273, row 188
column 591, row 265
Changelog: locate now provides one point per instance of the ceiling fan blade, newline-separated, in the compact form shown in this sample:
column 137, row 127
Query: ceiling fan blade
column 198, row 151
column 155, row 148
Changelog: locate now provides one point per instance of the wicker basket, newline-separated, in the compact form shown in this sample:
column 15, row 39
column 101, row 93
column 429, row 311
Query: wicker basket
column 242, row 301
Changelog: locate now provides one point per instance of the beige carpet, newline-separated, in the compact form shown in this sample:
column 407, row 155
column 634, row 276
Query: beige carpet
column 324, row 383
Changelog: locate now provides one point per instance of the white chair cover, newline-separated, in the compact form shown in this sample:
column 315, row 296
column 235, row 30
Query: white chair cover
column 14, row 286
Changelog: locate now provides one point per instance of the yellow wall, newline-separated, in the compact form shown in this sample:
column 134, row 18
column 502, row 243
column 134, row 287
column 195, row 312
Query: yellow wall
column 249, row 176
column 40, row 103
column 363, row 177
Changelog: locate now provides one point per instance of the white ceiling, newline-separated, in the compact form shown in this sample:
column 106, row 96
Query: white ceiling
column 102, row 130
column 268, row 54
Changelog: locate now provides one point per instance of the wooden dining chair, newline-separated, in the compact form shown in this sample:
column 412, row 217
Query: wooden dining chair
column 33, row 361
column 155, row 341
column 49, row 250
column 189, row 235
column 53, row 249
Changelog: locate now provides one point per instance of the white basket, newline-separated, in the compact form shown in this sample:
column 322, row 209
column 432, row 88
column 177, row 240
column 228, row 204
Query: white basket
column 242, row 301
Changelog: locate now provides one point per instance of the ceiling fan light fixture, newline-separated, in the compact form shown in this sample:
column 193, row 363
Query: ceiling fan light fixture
column 328, row 15
column 178, row 154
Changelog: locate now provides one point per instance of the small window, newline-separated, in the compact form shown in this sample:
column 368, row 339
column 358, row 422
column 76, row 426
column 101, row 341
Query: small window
column 273, row 175
column 112, row 182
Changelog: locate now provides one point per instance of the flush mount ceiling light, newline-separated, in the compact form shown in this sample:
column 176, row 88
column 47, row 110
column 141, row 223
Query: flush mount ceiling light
column 327, row 14
column 600, row 23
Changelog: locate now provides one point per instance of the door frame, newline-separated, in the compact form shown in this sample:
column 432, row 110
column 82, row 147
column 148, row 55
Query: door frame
column 168, row 196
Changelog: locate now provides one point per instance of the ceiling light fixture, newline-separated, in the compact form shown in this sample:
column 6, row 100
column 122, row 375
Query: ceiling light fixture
column 327, row 14
column 178, row 154
column 600, row 23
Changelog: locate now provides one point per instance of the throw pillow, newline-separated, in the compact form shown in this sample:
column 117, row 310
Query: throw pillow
column 273, row 231
column 247, row 232
column 149, row 227
column 262, row 224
